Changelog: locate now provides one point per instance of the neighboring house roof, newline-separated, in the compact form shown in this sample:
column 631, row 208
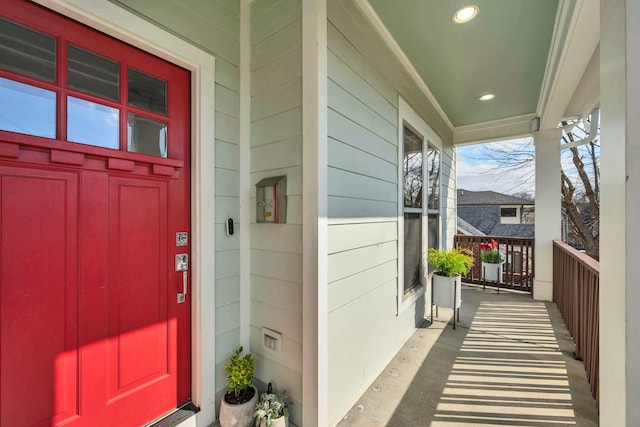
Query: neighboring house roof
column 466, row 197
column 465, row 228
column 486, row 218
column 513, row 230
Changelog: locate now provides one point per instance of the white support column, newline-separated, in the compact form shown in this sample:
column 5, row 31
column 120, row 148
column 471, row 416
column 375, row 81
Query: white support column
column 620, row 204
column 548, row 209
column 314, row 214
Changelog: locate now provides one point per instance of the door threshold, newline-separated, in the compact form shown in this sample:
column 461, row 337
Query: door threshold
column 176, row 417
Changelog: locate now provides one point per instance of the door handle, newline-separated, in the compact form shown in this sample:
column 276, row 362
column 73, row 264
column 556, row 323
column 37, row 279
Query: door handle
column 182, row 265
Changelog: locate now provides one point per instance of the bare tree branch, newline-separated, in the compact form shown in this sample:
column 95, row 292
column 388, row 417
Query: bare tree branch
column 580, row 199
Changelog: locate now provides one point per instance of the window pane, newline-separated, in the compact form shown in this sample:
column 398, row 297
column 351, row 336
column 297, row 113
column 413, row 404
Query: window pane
column 433, row 171
column 27, row 109
column 93, row 73
column 433, row 234
column 147, row 136
column 93, row 124
column 412, row 169
column 508, row 212
column 147, row 92
column 412, row 250
column 27, row 52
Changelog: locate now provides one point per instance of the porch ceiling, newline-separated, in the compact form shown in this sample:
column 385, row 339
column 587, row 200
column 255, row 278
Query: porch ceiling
column 502, row 51
column 519, row 50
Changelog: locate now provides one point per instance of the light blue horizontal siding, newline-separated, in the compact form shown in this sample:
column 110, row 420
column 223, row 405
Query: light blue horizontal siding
column 349, row 158
column 276, row 149
column 349, row 105
column 363, row 237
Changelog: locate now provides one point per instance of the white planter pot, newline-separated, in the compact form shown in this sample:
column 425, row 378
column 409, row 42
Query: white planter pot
column 283, row 421
column 492, row 271
column 443, row 290
column 241, row 415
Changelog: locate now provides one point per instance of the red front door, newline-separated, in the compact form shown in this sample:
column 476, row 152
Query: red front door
column 94, row 199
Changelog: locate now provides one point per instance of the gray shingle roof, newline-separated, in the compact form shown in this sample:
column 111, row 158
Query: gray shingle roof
column 465, row 228
column 466, row 197
column 487, row 219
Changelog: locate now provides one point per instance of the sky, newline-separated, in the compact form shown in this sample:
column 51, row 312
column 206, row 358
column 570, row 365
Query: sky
column 476, row 172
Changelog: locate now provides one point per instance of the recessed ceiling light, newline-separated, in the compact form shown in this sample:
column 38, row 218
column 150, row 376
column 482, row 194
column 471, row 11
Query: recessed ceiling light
column 465, row 14
column 487, row 97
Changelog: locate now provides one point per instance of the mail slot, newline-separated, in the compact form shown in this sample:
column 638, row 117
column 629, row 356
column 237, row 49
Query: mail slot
column 271, row 200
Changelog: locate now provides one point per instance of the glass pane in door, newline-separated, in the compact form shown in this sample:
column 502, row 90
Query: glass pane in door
column 27, row 52
column 92, row 123
column 93, row 73
column 147, row 136
column 27, row 109
column 147, row 92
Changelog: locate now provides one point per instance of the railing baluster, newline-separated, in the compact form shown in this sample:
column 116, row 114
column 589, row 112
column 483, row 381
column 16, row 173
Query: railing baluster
column 522, row 246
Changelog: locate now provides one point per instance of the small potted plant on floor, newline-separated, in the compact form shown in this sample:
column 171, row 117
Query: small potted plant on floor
column 448, row 266
column 272, row 409
column 238, row 404
column 491, row 261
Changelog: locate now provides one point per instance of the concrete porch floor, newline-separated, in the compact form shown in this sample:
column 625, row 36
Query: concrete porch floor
column 508, row 363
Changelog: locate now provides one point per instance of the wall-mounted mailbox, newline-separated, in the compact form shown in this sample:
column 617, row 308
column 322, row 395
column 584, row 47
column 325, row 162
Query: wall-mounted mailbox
column 271, row 200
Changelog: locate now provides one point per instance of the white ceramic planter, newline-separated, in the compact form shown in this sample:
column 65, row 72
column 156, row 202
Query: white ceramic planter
column 241, row 415
column 492, row 271
column 443, row 290
column 277, row 422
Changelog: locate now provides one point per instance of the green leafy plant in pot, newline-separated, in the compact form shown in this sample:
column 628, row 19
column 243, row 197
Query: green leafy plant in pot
column 448, row 266
column 237, row 405
column 450, row 263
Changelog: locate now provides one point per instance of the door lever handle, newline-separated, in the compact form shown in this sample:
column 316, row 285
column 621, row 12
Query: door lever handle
column 182, row 264
column 183, row 296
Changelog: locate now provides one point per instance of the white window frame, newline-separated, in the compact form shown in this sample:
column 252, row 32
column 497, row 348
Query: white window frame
column 409, row 117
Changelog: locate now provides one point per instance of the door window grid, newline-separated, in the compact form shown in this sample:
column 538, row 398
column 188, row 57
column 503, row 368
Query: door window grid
column 91, row 100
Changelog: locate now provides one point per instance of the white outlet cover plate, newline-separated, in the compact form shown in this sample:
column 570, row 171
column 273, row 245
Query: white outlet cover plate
column 266, row 332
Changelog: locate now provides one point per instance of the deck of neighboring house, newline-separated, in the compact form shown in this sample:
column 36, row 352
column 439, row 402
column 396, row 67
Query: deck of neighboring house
column 509, row 362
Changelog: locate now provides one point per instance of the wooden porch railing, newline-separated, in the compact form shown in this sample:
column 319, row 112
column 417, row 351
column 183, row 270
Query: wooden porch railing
column 576, row 279
column 519, row 264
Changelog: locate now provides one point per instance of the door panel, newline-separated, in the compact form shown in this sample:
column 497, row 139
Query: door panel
column 139, row 321
column 39, row 300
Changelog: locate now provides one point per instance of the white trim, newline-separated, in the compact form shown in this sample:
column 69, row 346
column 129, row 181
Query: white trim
column 391, row 42
column 575, row 38
column 547, row 208
column 406, row 114
column 495, row 130
column 245, row 174
column 124, row 25
column 314, row 213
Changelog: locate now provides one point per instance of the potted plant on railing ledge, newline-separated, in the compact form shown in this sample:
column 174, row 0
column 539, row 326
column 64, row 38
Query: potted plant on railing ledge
column 492, row 260
column 449, row 266
column 238, row 404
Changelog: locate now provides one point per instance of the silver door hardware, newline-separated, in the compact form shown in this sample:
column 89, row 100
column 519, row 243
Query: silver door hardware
column 182, row 238
column 182, row 264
